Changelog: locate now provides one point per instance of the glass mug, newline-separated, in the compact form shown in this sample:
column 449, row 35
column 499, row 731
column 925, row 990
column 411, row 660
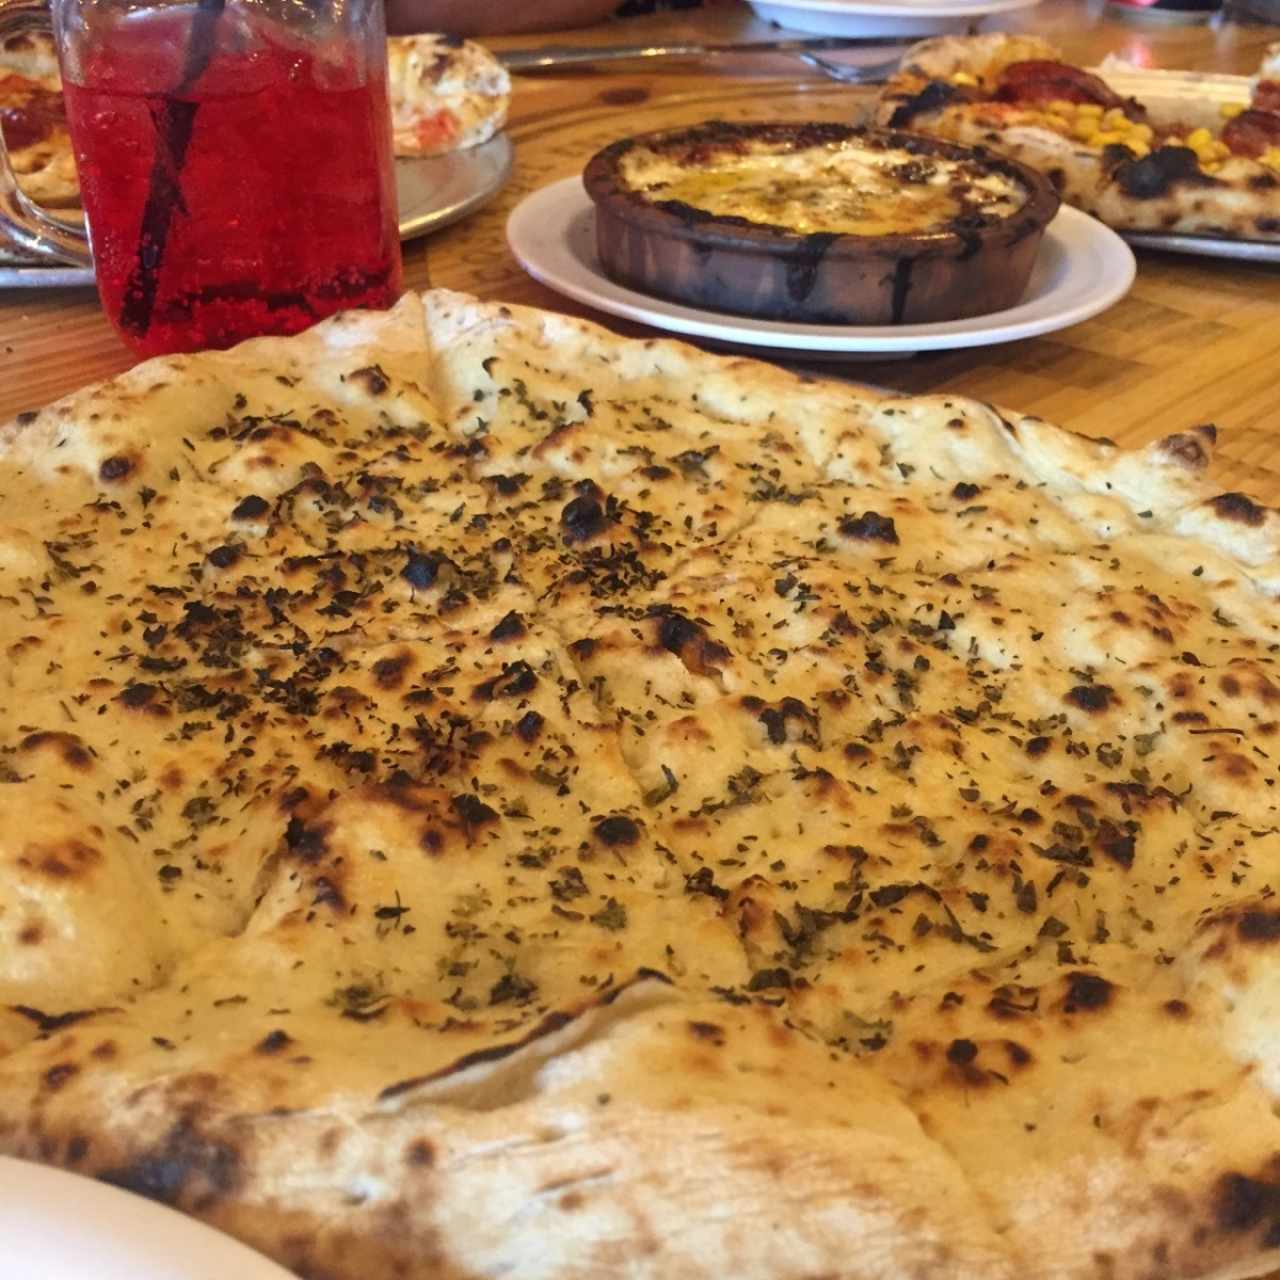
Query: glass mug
column 235, row 163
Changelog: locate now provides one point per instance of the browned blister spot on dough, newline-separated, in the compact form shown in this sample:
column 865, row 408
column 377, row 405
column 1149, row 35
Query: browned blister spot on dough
column 186, row 1166
column 687, row 638
column 1186, row 448
column 70, row 749
column 617, row 830
column 57, row 1076
column 1231, row 764
column 1093, row 698
column 307, row 842
column 1086, row 993
column 420, row 1154
column 390, row 672
column 1239, row 508
column 1019, row 1056
column 60, row 859
column 1258, row 926
column 117, row 468
column 708, row 1031
column 273, row 1042
column 147, row 698
column 1243, row 1203
column 870, row 526
column 371, row 379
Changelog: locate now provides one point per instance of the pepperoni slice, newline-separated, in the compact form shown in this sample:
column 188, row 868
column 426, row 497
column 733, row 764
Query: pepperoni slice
column 14, row 85
column 1252, row 132
column 23, row 127
column 437, row 130
column 29, row 113
column 1040, row 80
column 1266, row 95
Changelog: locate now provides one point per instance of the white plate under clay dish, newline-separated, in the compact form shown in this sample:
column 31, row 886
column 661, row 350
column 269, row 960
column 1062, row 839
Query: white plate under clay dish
column 881, row 17
column 430, row 193
column 1082, row 269
column 59, row 1226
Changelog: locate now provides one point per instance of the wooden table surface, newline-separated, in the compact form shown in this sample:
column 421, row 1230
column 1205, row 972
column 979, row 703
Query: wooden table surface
column 1196, row 340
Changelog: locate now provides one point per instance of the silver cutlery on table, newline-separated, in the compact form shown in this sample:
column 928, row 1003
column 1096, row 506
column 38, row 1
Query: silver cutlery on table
column 851, row 73
column 549, row 56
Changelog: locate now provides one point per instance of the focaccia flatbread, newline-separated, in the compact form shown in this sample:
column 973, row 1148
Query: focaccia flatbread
column 482, row 797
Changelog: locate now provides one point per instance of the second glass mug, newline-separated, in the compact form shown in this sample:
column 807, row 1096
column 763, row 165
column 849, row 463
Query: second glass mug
column 235, row 163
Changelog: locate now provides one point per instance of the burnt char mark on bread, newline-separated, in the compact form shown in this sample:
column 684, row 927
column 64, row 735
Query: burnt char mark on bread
column 1239, row 508
column 1116, row 154
column 184, row 1156
column 933, row 97
column 1157, row 174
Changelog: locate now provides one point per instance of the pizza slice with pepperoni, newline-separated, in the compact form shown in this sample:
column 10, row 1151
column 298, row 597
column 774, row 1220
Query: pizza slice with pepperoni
column 1133, row 166
column 33, row 121
column 445, row 95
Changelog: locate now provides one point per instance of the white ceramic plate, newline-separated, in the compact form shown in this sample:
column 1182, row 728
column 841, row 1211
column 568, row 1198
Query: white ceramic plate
column 880, row 17
column 60, row 1226
column 430, row 193
column 1082, row 269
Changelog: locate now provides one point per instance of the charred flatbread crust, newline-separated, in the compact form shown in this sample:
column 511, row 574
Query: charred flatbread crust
column 1168, row 190
column 482, row 797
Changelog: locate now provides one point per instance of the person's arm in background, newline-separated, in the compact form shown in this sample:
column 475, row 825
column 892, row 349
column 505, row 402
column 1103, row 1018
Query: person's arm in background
column 493, row 17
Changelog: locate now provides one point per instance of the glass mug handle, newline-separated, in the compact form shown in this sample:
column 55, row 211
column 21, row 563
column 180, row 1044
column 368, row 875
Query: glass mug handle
column 21, row 219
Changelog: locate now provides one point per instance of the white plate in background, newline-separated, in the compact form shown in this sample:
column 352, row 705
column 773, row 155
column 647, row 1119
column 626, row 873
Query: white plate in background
column 1082, row 268
column 880, row 17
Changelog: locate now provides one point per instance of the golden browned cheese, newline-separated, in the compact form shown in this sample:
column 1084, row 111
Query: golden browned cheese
column 844, row 188
column 481, row 797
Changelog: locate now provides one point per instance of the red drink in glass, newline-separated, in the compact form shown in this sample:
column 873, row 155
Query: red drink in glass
column 281, row 195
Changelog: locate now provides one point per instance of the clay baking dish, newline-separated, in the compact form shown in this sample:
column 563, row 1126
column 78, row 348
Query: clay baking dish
column 968, row 264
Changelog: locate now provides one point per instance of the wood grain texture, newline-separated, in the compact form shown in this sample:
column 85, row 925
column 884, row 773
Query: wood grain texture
column 1197, row 339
